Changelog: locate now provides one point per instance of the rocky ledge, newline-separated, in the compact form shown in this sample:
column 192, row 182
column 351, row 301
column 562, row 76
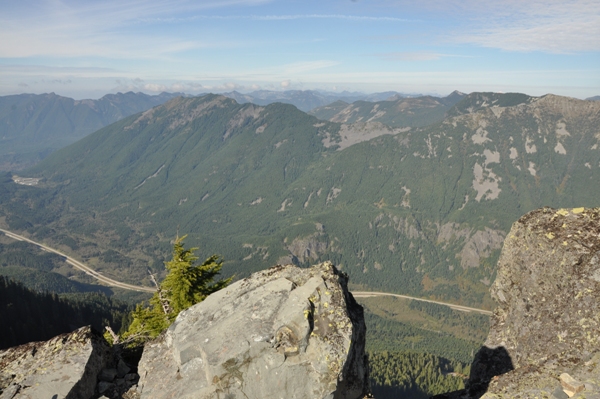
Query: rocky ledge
column 284, row 332
column 66, row 366
column 544, row 340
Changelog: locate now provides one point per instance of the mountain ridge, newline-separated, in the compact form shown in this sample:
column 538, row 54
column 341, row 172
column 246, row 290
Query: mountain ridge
column 421, row 211
column 32, row 126
column 395, row 112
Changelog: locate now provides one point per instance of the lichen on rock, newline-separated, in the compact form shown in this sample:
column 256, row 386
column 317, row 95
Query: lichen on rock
column 547, row 321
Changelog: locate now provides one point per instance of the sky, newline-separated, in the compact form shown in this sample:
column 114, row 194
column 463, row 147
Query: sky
column 86, row 49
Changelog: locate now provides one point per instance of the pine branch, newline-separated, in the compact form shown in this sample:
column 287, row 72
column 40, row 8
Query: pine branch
column 163, row 301
column 115, row 337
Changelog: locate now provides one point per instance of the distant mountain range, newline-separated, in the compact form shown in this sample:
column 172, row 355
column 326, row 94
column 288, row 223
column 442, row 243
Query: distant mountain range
column 395, row 111
column 32, row 126
column 306, row 100
column 416, row 210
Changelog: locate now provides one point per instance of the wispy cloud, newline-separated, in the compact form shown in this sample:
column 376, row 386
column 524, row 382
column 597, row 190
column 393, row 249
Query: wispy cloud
column 39, row 70
column 328, row 16
column 554, row 26
column 99, row 29
column 299, row 67
column 223, row 45
column 418, row 56
column 557, row 37
column 281, row 17
column 190, row 87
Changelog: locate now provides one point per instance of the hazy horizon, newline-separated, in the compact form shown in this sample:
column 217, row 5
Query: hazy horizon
column 86, row 49
column 349, row 93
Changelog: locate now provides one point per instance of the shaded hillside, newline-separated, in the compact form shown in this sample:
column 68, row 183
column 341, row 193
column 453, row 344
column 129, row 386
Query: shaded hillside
column 417, row 211
column 32, row 126
column 32, row 316
column 395, row 112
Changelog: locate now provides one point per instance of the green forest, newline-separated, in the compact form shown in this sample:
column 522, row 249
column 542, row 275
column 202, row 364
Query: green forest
column 407, row 374
column 36, row 316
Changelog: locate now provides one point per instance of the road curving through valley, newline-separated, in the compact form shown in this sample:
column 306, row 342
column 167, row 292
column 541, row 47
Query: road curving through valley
column 78, row 265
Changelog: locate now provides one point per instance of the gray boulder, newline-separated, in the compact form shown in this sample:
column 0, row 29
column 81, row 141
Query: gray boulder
column 284, row 332
column 548, row 288
column 544, row 340
column 66, row 366
column 548, row 295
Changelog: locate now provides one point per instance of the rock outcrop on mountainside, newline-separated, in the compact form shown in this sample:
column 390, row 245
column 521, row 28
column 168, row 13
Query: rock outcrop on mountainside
column 544, row 340
column 76, row 365
column 284, row 332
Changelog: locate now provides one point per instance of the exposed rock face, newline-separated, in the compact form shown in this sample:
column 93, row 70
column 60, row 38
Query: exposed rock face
column 66, row 366
column 546, row 328
column 548, row 288
column 284, row 332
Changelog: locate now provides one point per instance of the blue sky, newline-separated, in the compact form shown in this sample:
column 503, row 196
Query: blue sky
column 85, row 49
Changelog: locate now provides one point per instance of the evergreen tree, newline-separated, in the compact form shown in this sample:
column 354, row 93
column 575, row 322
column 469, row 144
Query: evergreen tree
column 186, row 284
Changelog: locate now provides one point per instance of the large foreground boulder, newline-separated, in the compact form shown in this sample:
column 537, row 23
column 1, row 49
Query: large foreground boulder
column 284, row 332
column 544, row 340
column 66, row 366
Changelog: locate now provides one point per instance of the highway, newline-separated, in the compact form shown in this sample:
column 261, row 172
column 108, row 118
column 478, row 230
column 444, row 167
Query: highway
column 367, row 294
column 114, row 283
column 78, row 265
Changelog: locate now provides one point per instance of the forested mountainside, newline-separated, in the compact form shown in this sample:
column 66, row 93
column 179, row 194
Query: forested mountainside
column 35, row 316
column 32, row 126
column 421, row 211
column 395, row 111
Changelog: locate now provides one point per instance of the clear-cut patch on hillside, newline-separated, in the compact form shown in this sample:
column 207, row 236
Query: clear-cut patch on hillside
column 486, row 183
column 359, row 132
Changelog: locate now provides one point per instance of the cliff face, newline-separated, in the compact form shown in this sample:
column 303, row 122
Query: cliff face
column 544, row 339
column 284, row 332
column 548, row 288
